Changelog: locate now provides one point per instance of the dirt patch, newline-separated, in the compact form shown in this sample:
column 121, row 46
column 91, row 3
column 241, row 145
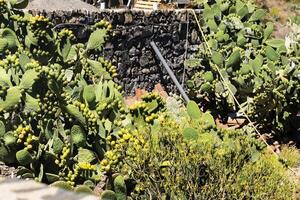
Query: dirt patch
column 279, row 12
column 6, row 171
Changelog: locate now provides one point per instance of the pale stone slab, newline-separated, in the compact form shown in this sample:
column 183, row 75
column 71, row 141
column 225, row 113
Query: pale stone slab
column 62, row 5
column 15, row 189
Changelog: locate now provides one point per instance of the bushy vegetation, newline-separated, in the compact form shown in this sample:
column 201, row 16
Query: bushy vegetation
column 290, row 155
column 63, row 122
column 184, row 156
column 261, row 71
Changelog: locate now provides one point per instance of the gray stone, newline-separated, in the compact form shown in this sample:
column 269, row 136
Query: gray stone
column 194, row 36
column 15, row 189
column 133, row 51
column 182, row 17
column 128, row 18
column 145, row 71
column 130, row 46
column 144, row 61
column 63, row 5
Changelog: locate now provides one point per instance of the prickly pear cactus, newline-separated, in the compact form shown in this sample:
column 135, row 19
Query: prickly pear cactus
column 57, row 103
column 261, row 71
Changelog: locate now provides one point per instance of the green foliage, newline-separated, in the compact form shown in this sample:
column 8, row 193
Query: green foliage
column 214, row 164
column 78, row 136
column 148, row 109
column 120, row 188
column 290, row 156
column 83, row 189
column 57, row 104
column 108, row 195
column 193, row 110
column 62, row 184
column 190, row 134
column 24, row 157
column 63, row 122
column 261, row 71
column 2, row 129
column 9, row 140
column 7, row 155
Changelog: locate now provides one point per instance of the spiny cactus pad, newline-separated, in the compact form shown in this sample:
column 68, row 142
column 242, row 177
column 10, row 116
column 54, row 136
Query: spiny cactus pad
column 24, row 157
column 7, row 155
column 108, row 195
column 19, row 4
column 190, row 134
column 2, row 129
column 193, row 110
column 120, row 188
column 10, row 140
column 78, row 136
column 83, row 189
column 89, row 94
column 13, row 98
column 62, row 184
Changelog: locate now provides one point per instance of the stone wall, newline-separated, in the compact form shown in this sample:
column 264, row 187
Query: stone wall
column 129, row 47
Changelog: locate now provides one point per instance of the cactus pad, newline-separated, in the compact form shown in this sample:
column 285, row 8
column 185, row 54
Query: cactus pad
column 10, row 140
column 6, row 155
column 62, row 185
column 190, row 134
column 74, row 111
column 51, row 177
column 83, row 189
column 24, row 157
column 108, row 195
column 19, row 4
column 2, row 129
column 89, row 94
column 120, row 188
column 78, row 136
column 12, row 98
column 10, row 37
column 28, row 79
column 193, row 110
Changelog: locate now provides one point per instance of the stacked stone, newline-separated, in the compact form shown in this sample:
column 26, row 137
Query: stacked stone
column 129, row 47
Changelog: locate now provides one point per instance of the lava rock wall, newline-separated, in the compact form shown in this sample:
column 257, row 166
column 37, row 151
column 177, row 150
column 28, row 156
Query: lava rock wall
column 129, row 47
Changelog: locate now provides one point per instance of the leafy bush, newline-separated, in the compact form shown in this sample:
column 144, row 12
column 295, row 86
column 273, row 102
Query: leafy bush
column 261, row 71
column 290, row 155
column 184, row 156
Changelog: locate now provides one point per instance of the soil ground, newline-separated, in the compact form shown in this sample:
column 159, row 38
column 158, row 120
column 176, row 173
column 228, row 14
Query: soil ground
column 280, row 11
column 6, row 171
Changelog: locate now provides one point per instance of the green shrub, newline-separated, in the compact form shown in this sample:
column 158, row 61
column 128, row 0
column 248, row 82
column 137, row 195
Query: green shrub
column 261, row 71
column 290, row 155
column 184, row 156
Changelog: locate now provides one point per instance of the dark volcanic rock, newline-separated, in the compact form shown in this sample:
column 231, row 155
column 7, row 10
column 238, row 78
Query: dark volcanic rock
column 129, row 47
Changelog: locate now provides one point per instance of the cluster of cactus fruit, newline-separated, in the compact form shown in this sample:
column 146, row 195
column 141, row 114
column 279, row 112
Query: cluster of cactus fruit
column 57, row 104
column 148, row 109
column 261, row 71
